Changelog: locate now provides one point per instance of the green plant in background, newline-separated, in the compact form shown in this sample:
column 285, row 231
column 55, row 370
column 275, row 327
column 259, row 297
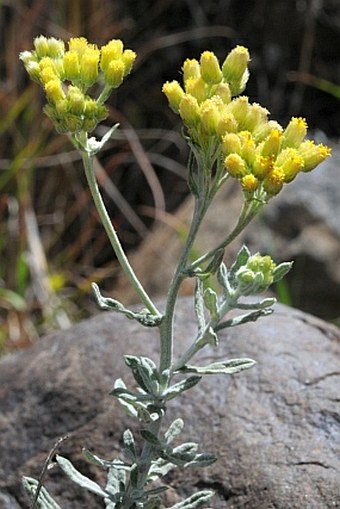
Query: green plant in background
column 229, row 138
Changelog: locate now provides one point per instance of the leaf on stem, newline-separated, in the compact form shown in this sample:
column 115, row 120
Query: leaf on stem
column 144, row 317
column 181, row 386
column 145, row 373
column 227, row 367
column 80, row 479
column 247, row 317
column 196, row 500
column 174, row 430
column 44, row 501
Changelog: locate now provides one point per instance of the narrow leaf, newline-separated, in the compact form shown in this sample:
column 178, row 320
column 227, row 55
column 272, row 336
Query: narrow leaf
column 202, row 460
column 181, row 386
column 129, row 445
column 239, row 320
column 151, row 438
column 79, row 478
column 44, row 501
column 199, row 306
column 196, row 500
column 281, row 270
column 174, row 430
column 227, row 367
column 210, row 300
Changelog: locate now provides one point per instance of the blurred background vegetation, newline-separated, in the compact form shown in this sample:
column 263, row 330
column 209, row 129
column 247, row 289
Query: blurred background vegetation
column 51, row 244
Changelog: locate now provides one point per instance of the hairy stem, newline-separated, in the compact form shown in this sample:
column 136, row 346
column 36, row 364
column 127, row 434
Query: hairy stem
column 112, row 235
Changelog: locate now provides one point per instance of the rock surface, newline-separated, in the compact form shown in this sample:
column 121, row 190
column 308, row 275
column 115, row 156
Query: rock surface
column 300, row 224
column 275, row 427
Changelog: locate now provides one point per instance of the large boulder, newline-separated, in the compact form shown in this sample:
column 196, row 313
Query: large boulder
column 275, row 427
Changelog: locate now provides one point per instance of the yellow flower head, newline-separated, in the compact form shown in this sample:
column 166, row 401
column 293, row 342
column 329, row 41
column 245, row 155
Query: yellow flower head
column 174, row 93
column 274, row 181
column 236, row 166
column 210, row 68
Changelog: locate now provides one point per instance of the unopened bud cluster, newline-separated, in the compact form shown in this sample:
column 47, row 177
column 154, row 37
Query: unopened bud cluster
column 258, row 152
column 66, row 76
column 258, row 273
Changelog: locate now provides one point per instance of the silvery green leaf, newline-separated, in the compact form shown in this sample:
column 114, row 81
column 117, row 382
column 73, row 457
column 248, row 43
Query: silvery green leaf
column 211, row 337
column 174, row 430
column 159, row 469
column 181, row 386
column 264, row 303
column 210, row 300
column 241, row 260
column 134, row 472
column 131, row 397
column 44, row 501
column 281, row 270
column 227, row 367
column 129, row 445
column 199, row 306
column 202, row 460
column 144, row 317
column 222, row 276
column 248, row 317
column 95, row 460
column 129, row 409
column 115, row 481
column 78, row 478
column 93, row 146
column 145, row 373
column 196, row 500
column 153, row 492
column 182, row 454
column 151, row 438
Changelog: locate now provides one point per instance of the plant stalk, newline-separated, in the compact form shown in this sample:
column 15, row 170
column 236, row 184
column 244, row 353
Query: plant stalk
column 112, row 235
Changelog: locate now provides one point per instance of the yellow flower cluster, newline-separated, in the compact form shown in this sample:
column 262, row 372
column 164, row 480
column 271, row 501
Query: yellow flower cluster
column 66, row 77
column 257, row 151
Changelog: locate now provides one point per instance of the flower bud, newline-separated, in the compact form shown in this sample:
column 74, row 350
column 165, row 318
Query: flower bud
column 248, row 147
column 235, row 70
column 262, row 166
column 227, row 124
column 128, row 59
column 272, row 143
column 198, row 88
column 113, row 50
column 210, row 68
column 312, row 154
column 41, row 46
column 231, row 143
column 71, row 65
column 189, row 110
column 191, row 69
column 249, row 184
column 236, row 166
column 76, row 100
column 210, row 116
column 78, row 44
column 290, row 162
column 274, row 181
column 56, row 47
column 114, row 73
column 223, row 91
column 295, row 132
column 54, row 91
column 89, row 66
column 174, row 94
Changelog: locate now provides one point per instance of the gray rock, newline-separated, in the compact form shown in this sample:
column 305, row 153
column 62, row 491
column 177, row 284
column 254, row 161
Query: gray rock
column 275, row 428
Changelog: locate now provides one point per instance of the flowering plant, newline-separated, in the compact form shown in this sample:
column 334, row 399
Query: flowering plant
column 229, row 138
